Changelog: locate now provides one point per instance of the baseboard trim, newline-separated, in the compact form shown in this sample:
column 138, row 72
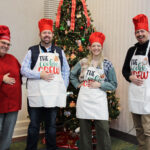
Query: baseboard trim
column 18, row 139
column 123, row 136
column 113, row 132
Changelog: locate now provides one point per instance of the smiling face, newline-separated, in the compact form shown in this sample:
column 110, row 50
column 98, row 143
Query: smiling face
column 142, row 35
column 4, row 47
column 96, row 48
column 46, row 37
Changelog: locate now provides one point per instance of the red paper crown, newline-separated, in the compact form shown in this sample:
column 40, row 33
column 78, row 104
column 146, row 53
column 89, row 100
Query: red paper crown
column 141, row 22
column 46, row 24
column 97, row 37
column 4, row 33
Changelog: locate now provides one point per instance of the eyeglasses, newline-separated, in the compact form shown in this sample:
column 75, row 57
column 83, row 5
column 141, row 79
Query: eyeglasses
column 5, row 43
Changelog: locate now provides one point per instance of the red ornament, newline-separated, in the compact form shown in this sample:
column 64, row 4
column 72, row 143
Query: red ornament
column 68, row 10
column 44, row 141
column 81, row 27
column 72, row 104
column 80, row 48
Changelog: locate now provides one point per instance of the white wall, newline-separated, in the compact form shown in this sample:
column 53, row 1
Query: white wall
column 22, row 17
column 114, row 19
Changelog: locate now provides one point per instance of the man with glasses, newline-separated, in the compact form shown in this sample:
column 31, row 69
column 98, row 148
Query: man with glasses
column 10, row 89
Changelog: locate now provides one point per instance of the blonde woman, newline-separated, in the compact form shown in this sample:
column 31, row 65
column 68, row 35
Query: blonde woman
column 94, row 75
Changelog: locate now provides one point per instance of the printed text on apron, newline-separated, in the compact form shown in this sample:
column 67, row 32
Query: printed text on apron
column 92, row 103
column 139, row 96
column 42, row 93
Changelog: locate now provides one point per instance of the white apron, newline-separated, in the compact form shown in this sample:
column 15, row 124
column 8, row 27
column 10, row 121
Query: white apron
column 42, row 93
column 139, row 96
column 92, row 103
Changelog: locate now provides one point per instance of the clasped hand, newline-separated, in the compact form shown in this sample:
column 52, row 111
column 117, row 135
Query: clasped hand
column 92, row 84
column 46, row 76
column 135, row 80
column 8, row 80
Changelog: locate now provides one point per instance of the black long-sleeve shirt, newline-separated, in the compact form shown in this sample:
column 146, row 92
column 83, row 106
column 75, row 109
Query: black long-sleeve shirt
column 141, row 50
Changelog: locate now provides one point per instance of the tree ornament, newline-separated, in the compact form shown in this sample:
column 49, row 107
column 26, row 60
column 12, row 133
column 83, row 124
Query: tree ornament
column 82, row 39
column 64, row 48
column 67, row 56
column 77, row 130
column 81, row 27
column 78, row 42
column 72, row 104
column 79, row 7
column 68, row 23
column 86, row 31
column 44, row 141
column 68, row 10
column 66, row 32
column 62, row 28
column 80, row 48
column 65, row 129
column 73, row 56
column 78, row 15
column 67, row 113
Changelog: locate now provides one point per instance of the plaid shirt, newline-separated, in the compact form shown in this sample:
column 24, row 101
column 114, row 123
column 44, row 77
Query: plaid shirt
column 107, row 66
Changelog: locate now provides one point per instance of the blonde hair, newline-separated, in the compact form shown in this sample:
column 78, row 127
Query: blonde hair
column 101, row 59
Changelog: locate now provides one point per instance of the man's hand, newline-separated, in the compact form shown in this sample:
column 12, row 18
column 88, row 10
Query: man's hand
column 8, row 80
column 135, row 80
column 94, row 84
column 46, row 76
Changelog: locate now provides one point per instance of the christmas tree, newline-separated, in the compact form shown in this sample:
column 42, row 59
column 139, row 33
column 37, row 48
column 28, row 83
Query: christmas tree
column 71, row 32
column 72, row 29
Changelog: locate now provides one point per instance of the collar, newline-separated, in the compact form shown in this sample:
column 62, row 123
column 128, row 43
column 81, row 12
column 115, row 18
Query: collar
column 143, row 46
column 45, row 49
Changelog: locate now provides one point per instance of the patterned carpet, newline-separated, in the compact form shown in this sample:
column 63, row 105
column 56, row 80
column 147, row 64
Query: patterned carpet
column 117, row 144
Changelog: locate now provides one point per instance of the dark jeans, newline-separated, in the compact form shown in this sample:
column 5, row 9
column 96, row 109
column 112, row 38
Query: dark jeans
column 48, row 115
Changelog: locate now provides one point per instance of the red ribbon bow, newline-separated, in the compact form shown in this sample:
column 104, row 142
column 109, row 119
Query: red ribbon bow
column 72, row 26
column 58, row 14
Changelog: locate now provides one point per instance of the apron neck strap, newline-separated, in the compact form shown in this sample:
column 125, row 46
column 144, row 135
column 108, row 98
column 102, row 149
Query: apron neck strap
column 148, row 48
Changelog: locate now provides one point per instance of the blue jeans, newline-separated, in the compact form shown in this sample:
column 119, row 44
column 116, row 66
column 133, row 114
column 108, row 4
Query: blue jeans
column 48, row 115
column 7, row 124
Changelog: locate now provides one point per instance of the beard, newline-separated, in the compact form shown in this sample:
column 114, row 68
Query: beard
column 46, row 40
column 142, row 39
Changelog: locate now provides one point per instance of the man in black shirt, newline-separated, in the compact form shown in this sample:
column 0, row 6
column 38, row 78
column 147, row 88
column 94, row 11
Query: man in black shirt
column 136, row 70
